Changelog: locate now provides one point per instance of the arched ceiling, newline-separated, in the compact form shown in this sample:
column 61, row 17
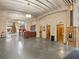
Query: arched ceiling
column 34, row 7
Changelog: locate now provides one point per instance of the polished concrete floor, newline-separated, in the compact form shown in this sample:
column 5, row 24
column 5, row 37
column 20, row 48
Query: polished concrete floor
column 14, row 47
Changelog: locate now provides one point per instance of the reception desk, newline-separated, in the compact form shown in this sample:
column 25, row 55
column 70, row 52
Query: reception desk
column 29, row 34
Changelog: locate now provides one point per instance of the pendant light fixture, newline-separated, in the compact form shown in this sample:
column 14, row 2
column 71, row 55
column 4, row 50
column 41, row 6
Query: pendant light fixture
column 28, row 15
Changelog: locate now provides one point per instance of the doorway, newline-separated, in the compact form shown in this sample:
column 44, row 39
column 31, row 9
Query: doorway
column 48, row 31
column 60, row 33
column 40, row 31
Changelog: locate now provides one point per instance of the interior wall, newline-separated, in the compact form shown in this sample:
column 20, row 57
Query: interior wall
column 30, row 23
column 53, row 20
column 6, row 16
column 76, row 21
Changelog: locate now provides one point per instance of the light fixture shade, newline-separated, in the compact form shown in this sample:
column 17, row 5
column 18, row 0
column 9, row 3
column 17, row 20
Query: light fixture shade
column 28, row 16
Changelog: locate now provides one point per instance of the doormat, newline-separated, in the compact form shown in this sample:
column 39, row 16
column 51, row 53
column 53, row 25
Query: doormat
column 73, row 55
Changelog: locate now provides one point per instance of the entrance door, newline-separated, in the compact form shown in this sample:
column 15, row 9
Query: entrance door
column 48, row 27
column 60, row 33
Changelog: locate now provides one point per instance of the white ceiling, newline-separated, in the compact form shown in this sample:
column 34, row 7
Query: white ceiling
column 36, row 7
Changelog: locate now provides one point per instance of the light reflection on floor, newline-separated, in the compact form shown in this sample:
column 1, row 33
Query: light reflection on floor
column 15, row 47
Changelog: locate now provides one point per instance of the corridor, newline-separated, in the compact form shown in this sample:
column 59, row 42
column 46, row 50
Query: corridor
column 39, row 29
column 14, row 47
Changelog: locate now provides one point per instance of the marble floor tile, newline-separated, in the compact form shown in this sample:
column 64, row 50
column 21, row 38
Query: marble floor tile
column 15, row 47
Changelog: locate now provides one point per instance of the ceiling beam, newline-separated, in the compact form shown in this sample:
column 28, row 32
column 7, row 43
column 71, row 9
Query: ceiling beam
column 66, row 3
column 30, row 5
column 33, row 6
column 57, row 3
column 43, row 4
column 33, row 13
column 36, row 5
column 54, row 6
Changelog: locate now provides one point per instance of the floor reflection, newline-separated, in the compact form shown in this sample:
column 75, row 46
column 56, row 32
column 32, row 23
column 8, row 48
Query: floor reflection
column 16, row 47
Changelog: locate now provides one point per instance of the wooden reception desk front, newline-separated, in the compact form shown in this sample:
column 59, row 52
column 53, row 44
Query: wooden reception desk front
column 29, row 34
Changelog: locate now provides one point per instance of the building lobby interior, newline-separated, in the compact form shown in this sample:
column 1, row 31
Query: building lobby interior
column 39, row 29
